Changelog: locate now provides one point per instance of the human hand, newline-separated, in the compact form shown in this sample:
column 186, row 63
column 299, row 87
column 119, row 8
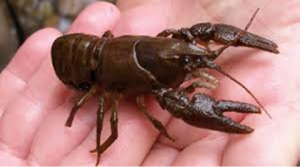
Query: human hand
column 272, row 78
column 36, row 104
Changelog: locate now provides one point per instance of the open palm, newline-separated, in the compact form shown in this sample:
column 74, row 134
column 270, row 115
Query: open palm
column 34, row 104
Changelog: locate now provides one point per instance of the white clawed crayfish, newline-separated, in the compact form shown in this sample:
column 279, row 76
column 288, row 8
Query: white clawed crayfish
column 156, row 65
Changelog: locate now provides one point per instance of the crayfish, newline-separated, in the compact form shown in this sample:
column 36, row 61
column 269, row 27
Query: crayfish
column 156, row 65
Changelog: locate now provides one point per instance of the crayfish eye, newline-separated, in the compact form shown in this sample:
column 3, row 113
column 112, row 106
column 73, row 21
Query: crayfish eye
column 185, row 60
column 199, row 60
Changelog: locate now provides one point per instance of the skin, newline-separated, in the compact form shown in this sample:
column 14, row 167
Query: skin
column 34, row 104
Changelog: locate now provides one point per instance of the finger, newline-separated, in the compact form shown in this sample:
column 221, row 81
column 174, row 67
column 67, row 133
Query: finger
column 24, row 64
column 96, row 19
column 32, row 53
column 53, row 126
column 270, row 136
column 189, row 148
column 152, row 22
column 53, row 140
column 136, row 135
column 27, row 110
column 125, row 5
column 161, row 155
column 205, row 152
column 43, row 93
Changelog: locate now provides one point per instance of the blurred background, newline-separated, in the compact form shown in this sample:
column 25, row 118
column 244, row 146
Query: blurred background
column 20, row 18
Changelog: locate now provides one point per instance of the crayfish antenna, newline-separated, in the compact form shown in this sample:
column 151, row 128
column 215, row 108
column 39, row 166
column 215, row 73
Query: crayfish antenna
column 251, row 20
column 216, row 67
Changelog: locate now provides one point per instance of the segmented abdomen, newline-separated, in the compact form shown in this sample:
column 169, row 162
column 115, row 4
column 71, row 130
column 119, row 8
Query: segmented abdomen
column 75, row 59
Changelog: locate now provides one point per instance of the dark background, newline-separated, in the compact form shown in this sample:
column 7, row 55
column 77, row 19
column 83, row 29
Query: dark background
column 20, row 18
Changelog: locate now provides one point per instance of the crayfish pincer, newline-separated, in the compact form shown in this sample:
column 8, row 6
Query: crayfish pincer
column 159, row 65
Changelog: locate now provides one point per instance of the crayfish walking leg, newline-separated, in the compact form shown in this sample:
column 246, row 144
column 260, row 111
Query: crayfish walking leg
column 113, row 123
column 157, row 124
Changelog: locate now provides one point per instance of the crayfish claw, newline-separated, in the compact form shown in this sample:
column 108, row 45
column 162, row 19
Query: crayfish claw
column 227, row 105
column 204, row 111
column 224, row 34
column 228, row 125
